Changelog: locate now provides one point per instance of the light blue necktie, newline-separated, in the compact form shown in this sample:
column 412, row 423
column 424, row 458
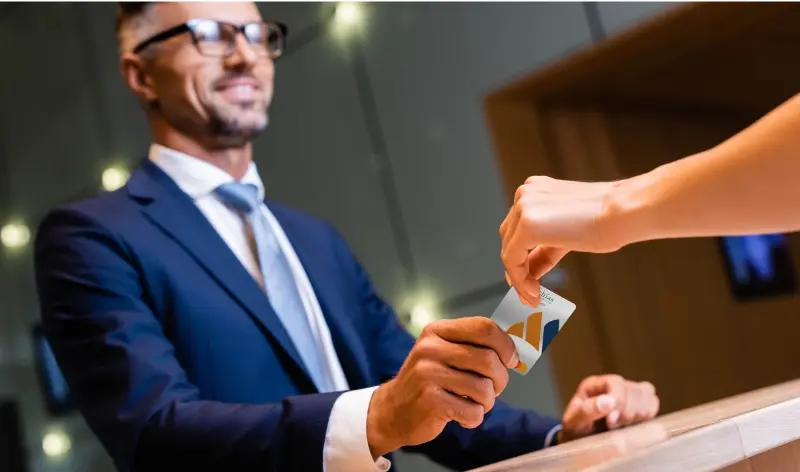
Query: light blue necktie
column 279, row 282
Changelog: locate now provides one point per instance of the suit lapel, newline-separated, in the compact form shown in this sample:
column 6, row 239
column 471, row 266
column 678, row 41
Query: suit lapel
column 348, row 345
column 176, row 214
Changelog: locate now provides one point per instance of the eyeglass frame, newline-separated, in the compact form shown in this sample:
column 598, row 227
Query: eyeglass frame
column 188, row 28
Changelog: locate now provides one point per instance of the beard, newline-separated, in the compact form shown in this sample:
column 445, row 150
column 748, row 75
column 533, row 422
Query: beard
column 235, row 125
column 218, row 123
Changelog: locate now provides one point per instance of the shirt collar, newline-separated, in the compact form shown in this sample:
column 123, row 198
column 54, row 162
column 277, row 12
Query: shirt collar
column 198, row 178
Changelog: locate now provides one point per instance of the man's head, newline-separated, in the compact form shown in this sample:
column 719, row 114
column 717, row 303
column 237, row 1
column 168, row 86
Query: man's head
column 205, row 70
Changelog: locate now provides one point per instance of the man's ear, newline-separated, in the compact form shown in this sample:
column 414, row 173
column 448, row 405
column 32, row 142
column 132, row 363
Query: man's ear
column 135, row 75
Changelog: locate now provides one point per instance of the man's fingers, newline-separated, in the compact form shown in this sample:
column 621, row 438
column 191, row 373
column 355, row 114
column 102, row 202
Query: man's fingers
column 462, row 410
column 606, row 385
column 582, row 412
column 652, row 407
column 647, row 387
column 480, row 361
column 628, row 413
column 610, row 397
column 600, row 406
column 634, row 402
column 478, row 331
column 596, row 385
column 642, row 404
column 468, row 385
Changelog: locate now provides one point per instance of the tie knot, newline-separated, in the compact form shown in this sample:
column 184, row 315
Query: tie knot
column 242, row 197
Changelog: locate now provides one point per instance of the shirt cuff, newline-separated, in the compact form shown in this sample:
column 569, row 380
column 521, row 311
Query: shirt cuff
column 346, row 447
column 550, row 439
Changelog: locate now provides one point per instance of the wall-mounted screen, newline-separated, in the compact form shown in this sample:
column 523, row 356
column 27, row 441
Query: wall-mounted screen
column 759, row 266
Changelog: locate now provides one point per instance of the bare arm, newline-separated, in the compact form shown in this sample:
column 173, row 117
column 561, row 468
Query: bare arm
column 749, row 184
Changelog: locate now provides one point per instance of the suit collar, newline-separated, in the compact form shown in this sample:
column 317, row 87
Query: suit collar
column 174, row 212
column 195, row 177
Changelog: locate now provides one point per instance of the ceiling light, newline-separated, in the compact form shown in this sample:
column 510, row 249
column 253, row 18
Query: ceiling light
column 115, row 177
column 56, row 444
column 348, row 14
column 421, row 315
column 15, row 235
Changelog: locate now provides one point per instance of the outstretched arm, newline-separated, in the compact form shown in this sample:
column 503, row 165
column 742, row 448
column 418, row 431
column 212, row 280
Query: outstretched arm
column 502, row 433
column 748, row 184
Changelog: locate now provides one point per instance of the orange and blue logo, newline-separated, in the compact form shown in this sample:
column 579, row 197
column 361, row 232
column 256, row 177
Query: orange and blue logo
column 532, row 332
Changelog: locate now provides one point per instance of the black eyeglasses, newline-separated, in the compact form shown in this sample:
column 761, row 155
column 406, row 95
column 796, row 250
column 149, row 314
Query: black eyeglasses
column 218, row 38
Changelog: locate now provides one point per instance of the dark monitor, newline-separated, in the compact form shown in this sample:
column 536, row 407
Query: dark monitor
column 53, row 385
column 759, row 266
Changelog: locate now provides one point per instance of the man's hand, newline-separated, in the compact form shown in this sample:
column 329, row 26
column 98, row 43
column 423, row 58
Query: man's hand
column 453, row 373
column 620, row 402
column 549, row 218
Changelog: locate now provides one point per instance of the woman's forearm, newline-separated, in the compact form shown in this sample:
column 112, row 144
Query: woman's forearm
column 748, row 184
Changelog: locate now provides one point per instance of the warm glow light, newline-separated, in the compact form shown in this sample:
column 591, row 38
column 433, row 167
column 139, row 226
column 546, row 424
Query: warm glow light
column 420, row 316
column 348, row 14
column 15, row 235
column 419, row 308
column 115, row 177
column 56, row 444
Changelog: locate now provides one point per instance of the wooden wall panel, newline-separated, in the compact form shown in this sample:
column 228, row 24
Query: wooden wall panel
column 670, row 88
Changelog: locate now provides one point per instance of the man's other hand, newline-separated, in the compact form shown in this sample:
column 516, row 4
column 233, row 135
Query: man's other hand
column 454, row 372
column 611, row 398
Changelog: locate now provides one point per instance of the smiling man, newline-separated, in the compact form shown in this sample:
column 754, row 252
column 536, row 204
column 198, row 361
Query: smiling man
column 202, row 327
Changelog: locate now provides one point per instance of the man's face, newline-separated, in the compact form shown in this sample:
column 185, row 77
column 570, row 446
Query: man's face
column 219, row 100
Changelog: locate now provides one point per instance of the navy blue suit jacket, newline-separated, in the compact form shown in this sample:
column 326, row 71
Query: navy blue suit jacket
column 175, row 356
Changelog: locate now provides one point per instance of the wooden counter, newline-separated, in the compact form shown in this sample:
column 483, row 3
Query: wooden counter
column 755, row 432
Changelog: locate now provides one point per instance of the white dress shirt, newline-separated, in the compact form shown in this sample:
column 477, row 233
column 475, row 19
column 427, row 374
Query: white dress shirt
column 346, row 448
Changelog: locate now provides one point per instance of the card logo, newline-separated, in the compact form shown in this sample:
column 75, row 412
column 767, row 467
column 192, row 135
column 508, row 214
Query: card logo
column 532, row 332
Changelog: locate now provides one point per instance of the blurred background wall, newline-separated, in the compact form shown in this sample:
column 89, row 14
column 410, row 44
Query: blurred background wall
column 382, row 135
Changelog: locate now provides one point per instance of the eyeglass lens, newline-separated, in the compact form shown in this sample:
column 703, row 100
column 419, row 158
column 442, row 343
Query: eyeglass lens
column 219, row 39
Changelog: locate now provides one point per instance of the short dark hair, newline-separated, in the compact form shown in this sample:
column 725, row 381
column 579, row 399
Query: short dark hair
column 128, row 12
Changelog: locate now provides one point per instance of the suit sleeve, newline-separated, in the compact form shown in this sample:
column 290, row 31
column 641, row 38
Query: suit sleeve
column 126, row 380
column 506, row 432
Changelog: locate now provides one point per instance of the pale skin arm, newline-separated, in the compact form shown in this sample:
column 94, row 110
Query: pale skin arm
column 749, row 184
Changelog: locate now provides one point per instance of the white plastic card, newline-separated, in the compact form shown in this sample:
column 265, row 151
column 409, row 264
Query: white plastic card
column 532, row 329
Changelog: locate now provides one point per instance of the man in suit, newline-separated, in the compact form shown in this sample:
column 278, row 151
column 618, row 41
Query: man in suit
column 202, row 327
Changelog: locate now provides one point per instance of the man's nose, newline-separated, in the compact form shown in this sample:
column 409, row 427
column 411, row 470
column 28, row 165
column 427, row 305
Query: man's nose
column 243, row 55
